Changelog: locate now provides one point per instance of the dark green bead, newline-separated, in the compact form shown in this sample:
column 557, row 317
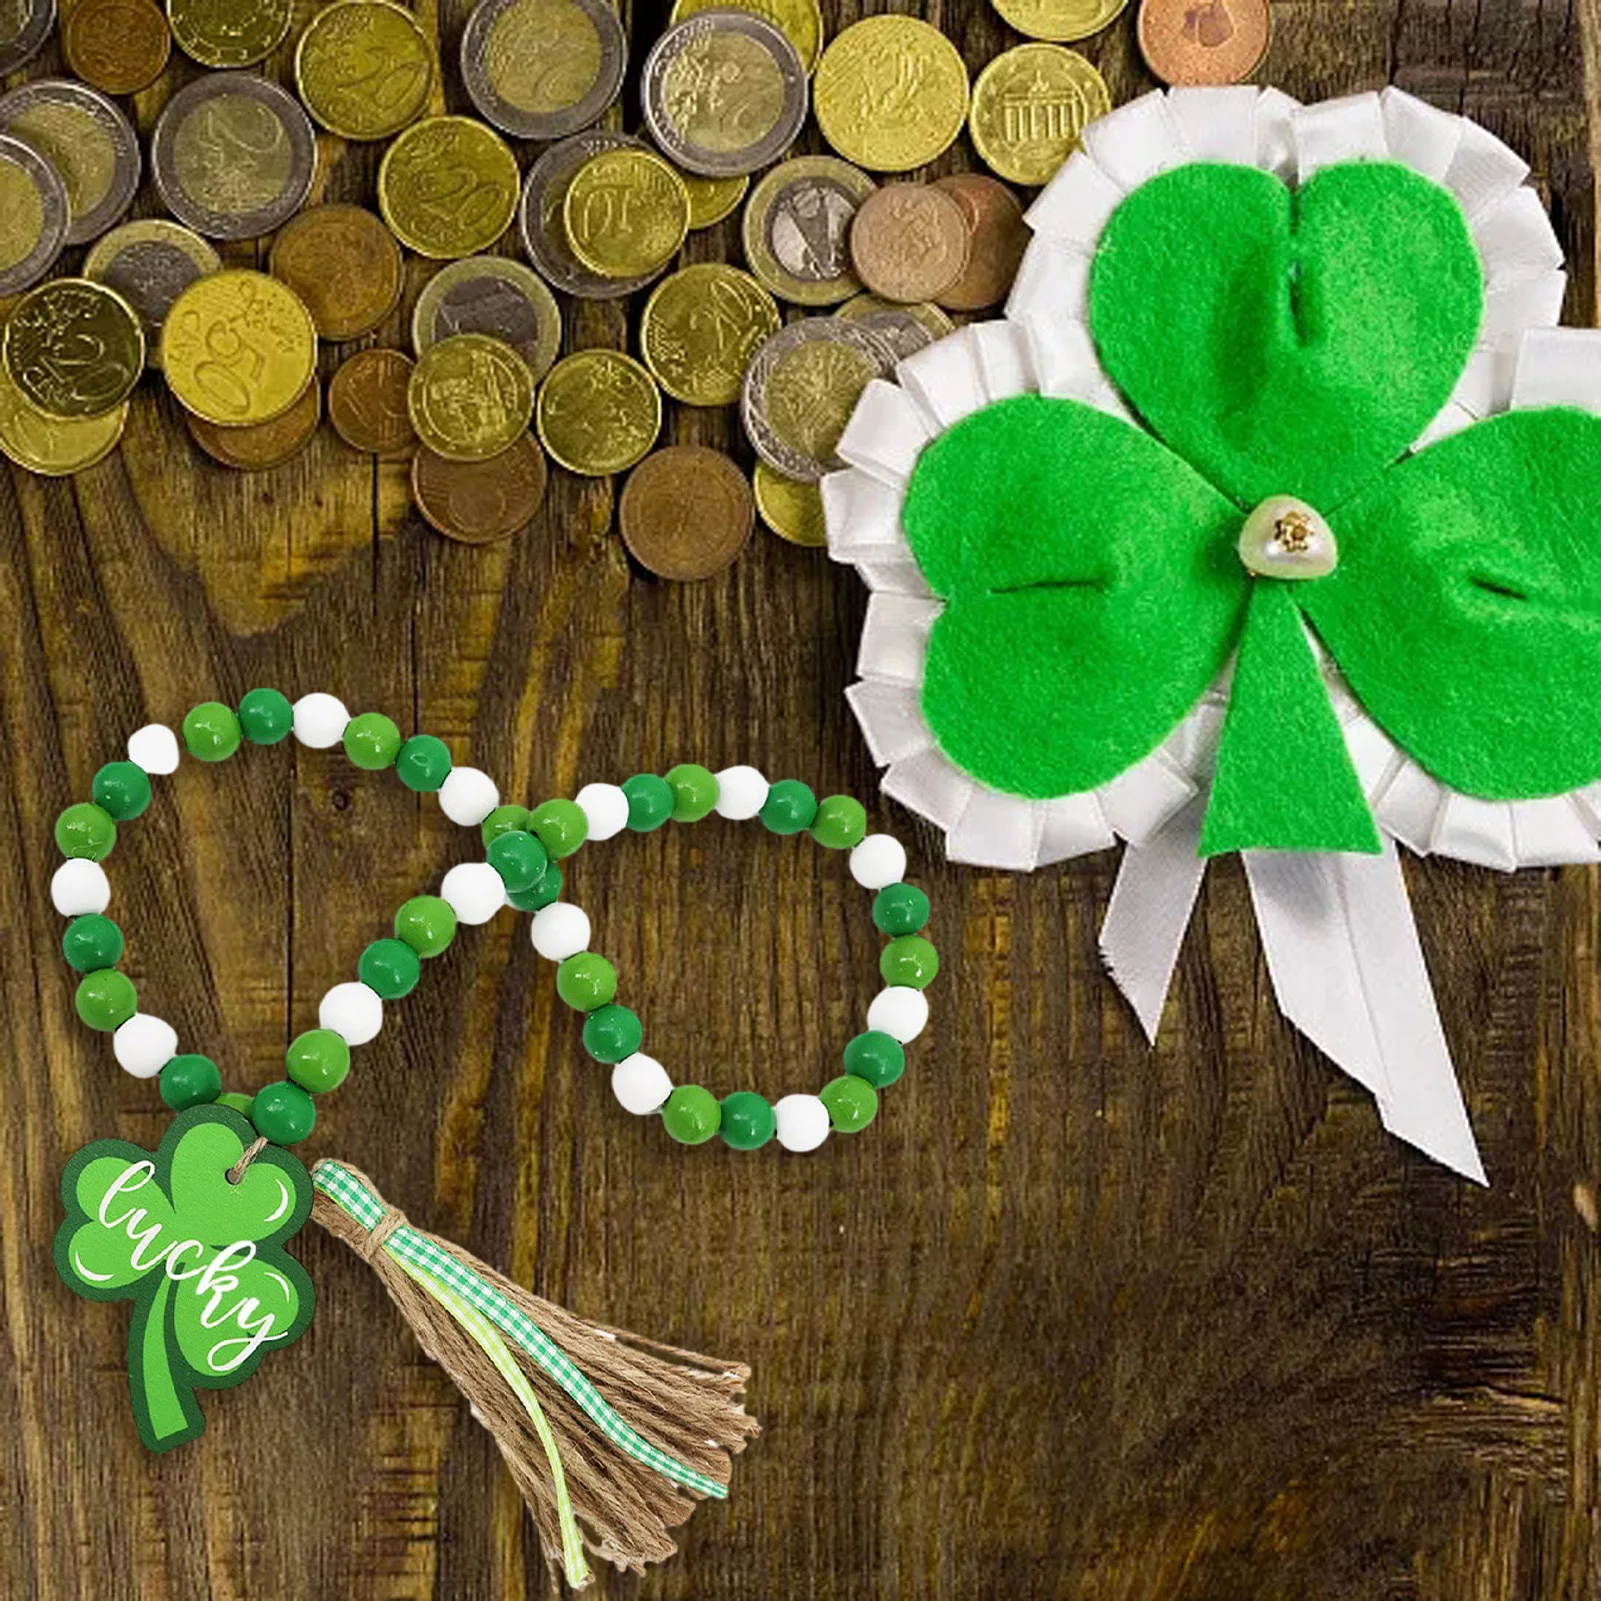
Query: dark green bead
column 519, row 858
column 650, row 801
column 561, row 826
column 426, row 923
column 389, row 966
column 190, row 1081
column 586, row 981
column 122, row 789
column 423, row 763
column 546, row 891
column 900, row 909
column 612, row 1032
column 852, row 1103
column 236, row 1101
column 841, row 822
column 372, row 742
column 283, row 1113
column 502, row 821
column 877, row 1057
column 211, row 731
column 909, row 960
column 789, row 808
column 265, row 717
column 87, row 831
column 318, row 1060
column 748, row 1120
column 692, row 1114
column 91, row 943
column 107, row 999
column 694, row 791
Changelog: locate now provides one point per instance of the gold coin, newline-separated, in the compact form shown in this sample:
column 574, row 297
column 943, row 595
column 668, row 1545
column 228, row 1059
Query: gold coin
column 258, row 446
column 800, row 21
column 448, row 187
column 1059, row 21
column 344, row 264
column 54, row 446
column 229, row 33
column 74, row 348
column 891, row 93
column 599, row 412
column 469, row 397
column 712, row 199
column 1029, row 106
column 364, row 68
column 792, row 509
column 238, row 347
column 626, row 213
column 700, row 328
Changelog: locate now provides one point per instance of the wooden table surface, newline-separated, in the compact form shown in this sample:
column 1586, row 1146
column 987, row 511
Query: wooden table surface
column 1074, row 1318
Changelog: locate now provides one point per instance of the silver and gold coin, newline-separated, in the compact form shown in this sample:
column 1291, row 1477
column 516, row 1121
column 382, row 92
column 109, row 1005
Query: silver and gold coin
column 25, row 25
column 1029, row 106
column 543, row 69
column 906, row 328
column 233, row 155
column 700, row 328
column 33, row 216
column 53, row 447
column 800, row 21
column 599, row 412
column 364, row 68
column 448, row 187
column 88, row 142
column 797, row 229
column 150, row 264
column 229, row 33
column 490, row 295
column 73, row 348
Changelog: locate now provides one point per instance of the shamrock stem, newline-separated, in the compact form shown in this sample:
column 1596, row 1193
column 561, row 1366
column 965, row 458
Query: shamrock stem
column 165, row 1419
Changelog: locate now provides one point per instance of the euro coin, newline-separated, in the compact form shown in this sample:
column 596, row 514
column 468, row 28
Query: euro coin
column 1059, row 21
column 712, row 199
column 150, row 264
column 34, row 206
column 229, row 33
column 258, row 446
column 1029, row 106
column 88, row 142
column 470, row 396
column 480, row 502
column 367, row 402
column 793, row 510
column 797, row 229
column 344, row 264
column 626, row 213
column 25, row 25
column 997, row 237
column 906, row 329
column 685, row 512
column 74, row 348
column 800, row 21
column 909, row 242
column 116, row 46
column 54, row 446
column 1214, row 42
column 448, row 187
column 364, row 68
column 495, row 296
column 599, row 412
column 543, row 69
column 700, row 328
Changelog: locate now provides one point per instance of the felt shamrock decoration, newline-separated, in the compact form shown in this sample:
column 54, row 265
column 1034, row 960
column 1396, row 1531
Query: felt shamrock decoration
column 1264, row 523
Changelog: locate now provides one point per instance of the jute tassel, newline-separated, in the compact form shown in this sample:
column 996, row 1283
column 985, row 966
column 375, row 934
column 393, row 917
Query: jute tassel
column 610, row 1437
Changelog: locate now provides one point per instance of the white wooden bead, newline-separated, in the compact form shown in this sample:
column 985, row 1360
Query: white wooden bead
column 741, row 793
column 154, row 748
column 899, row 1011
column 144, row 1044
column 78, row 886
column 560, row 930
column 353, row 1011
column 878, row 861
column 606, row 807
column 468, row 796
column 474, row 890
column 803, row 1122
column 320, row 720
column 641, row 1083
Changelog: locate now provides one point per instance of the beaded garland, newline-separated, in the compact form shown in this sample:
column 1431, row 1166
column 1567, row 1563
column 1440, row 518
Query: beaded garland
column 522, row 849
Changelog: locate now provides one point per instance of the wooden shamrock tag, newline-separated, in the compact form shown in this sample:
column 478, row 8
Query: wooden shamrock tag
column 201, row 1259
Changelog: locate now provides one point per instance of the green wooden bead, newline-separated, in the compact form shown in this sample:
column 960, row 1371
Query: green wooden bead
column 612, row 1032
column 372, row 742
column 389, row 966
column 122, row 789
column 426, row 923
column 547, row 890
column 86, row 830
column 265, row 717
column 502, row 821
column 694, row 791
column 236, row 1101
column 692, row 1115
column 107, row 999
column 519, row 858
column 561, row 826
column 852, row 1103
column 748, row 1120
column 283, row 1113
column 586, row 981
column 318, row 1060
column 190, row 1081
column 211, row 731
column 841, row 822
column 91, row 943
column 900, row 909
column 876, row 1057
column 789, row 808
column 423, row 763
column 909, row 960
column 650, row 801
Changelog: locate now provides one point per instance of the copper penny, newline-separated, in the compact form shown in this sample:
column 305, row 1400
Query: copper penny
column 997, row 237
column 116, row 46
column 344, row 264
column 909, row 242
column 686, row 512
column 480, row 502
column 1204, row 41
column 367, row 402
column 258, row 446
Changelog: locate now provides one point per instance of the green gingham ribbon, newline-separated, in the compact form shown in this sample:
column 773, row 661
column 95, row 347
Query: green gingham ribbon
column 411, row 1246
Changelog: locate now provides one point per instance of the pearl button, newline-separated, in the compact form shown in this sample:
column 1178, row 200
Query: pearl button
column 1286, row 538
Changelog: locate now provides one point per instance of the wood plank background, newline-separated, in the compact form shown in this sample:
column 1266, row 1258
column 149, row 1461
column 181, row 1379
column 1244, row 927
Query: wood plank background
column 1075, row 1318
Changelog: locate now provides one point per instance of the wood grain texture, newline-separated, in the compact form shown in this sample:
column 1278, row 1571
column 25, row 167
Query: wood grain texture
column 1074, row 1319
